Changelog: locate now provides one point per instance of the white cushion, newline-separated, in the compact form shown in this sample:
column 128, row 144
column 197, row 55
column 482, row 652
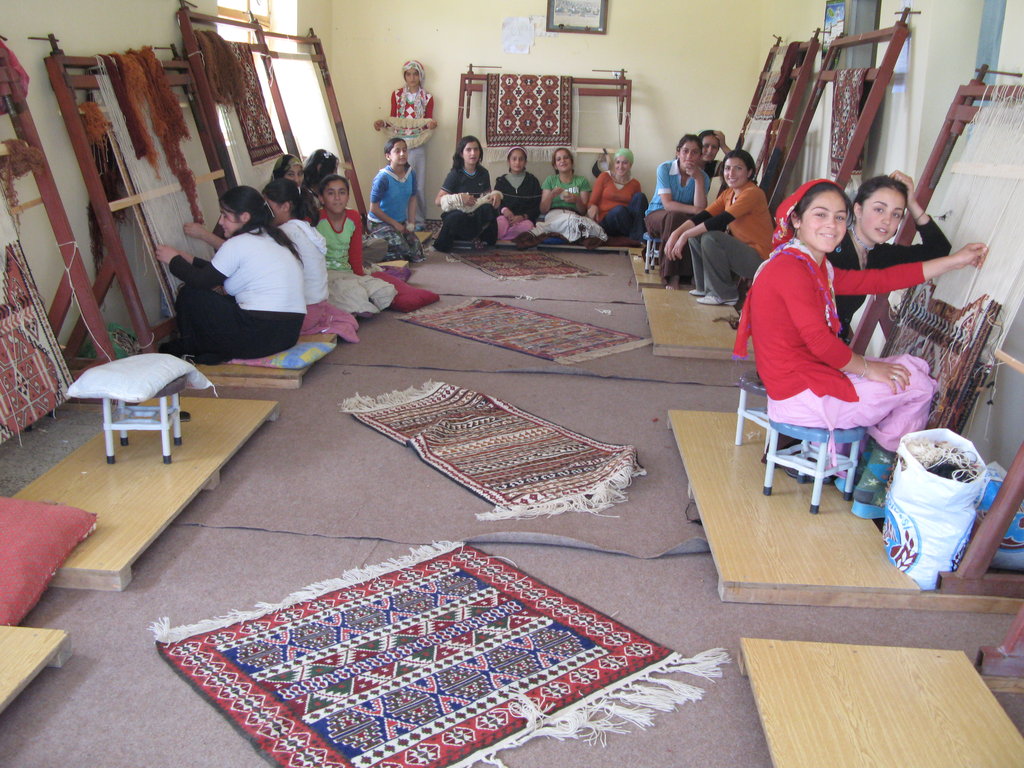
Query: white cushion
column 135, row 378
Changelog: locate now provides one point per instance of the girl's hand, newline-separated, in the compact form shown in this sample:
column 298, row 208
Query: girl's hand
column 378, row 125
column 467, row 199
column 431, row 124
column 691, row 169
column 569, row 197
column 909, row 182
column 895, row 375
column 192, row 229
column 592, row 212
column 676, row 251
column 971, row 255
column 165, row 253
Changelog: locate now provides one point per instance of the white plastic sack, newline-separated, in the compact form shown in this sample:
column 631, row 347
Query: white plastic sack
column 928, row 518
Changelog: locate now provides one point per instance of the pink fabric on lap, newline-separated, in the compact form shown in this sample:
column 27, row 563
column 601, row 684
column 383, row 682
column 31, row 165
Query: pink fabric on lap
column 324, row 317
column 887, row 416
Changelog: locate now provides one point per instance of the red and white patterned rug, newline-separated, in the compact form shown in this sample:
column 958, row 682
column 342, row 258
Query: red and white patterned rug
column 531, row 110
column 440, row 659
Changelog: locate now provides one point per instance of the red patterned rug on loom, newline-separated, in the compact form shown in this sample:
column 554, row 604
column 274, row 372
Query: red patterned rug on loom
column 524, row 465
column 440, row 659
column 523, row 330
column 522, row 265
column 532, row 110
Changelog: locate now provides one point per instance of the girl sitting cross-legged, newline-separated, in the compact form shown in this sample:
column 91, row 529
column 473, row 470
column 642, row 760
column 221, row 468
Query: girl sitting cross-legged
column 392, row 215
column 618, row 203
column 520, row 197
column 469, row 210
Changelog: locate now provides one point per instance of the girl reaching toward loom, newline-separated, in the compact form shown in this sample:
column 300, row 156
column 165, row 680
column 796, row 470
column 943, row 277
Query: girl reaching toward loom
column 618, row 203
column 412, row 119
column 468, row 207
column 392, row 215
column 348, row 283
column 812, row 378
column 520, row 197
column 881, row 205
column 247, row 302
column 564, row 203
column 285, row 202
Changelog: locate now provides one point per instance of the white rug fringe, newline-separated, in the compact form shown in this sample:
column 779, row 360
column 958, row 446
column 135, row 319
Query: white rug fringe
column 427, row 311
column 605, row 495
column 365, row 404
column 164, row 633
column 632, row 702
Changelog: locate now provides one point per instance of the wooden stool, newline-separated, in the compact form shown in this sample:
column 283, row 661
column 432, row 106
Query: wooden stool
column 750, row 383
column 811, row 461
column 126, row 416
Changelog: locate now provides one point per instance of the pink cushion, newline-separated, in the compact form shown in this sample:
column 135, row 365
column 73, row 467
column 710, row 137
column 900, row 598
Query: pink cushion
column 35, row 539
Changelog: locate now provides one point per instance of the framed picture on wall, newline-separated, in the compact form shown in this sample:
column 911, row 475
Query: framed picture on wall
column 835, row 21
column 586, row 16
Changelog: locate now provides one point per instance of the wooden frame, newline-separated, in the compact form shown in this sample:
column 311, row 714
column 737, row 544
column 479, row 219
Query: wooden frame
column 618, row 87
column 186, row 20
column 593, row 23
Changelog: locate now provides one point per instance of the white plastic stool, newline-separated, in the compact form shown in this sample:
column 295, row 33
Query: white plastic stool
column 808, row 460
column 651, row 252
column 123, row 416
column 750, row 383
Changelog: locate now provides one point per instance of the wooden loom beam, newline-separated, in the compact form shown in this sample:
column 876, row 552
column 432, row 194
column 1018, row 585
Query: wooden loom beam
column 75, row 279
column 186, row 18
column 619, row 88
column 895, row 37
column 762, row 78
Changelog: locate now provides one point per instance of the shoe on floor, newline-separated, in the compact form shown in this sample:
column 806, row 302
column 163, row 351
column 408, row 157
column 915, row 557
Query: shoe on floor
column 592, row 243
column 713, row 300
column 526, row 240
column 698, row 292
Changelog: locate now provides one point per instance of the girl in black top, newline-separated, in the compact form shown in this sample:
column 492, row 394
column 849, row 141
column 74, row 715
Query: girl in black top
column 881, row 204
column 520, row 197
column 469, row 179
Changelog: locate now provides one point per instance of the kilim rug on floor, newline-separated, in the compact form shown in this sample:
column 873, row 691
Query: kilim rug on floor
column 522, row 265
column 442, row 658
column 523, row 330
column 524, row 465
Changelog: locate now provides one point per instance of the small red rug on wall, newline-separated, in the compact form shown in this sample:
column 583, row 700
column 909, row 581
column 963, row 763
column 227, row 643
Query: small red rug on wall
column 523, row 330
column 522, row 265
column 524, row 465
column 529, row 110
column 440, row 659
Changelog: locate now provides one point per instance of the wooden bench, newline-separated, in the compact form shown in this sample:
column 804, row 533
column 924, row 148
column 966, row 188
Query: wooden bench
column 138, row 497
column 681, row 327
column 24, row 651
column 234, row 375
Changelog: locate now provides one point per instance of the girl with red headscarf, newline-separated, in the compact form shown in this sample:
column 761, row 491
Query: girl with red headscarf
column 812, row 378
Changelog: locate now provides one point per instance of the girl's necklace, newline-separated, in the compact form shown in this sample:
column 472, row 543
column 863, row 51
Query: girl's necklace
column 862, row 246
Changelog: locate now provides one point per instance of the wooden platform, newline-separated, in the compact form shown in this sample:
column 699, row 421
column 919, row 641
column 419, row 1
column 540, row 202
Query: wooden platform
column 650, row 279
column 24, row 652
column 139, row 496
column 857, row 706
column 681, row 327
column 770, row 549
column 233, row 375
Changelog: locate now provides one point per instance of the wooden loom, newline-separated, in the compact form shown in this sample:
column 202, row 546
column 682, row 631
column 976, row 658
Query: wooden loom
column 777, row 138
column 619, row 88
column 75, row 281
column 879, row 77
column 187, row 18
column 972, row 577
column 68, row 75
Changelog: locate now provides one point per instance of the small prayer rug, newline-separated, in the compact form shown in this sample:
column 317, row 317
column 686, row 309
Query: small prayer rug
column 257, row 130
column 531, row 110
column 440, row 659
column 522, row 464
column 523, row 330
column 523, row 265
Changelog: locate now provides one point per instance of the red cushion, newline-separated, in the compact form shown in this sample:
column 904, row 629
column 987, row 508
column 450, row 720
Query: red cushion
column 408, row 298
column 35, row 539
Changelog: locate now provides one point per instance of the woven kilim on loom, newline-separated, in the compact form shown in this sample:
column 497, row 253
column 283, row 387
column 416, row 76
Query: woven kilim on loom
column 523, row 330
column 952, row 341
column 439, row 659
column 767, row 106
column 33, row 376
column 532, row 110
column 524, row 465
column 257, row 130
column 522, row 265
column 847, row 98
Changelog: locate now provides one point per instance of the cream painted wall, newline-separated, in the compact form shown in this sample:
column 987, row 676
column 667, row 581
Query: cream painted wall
column 670, row 68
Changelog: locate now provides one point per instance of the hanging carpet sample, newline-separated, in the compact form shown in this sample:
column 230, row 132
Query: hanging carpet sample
column 522, row 464
column 531, row 110
column 440, row 659
column 523, row 330
column 847, row 100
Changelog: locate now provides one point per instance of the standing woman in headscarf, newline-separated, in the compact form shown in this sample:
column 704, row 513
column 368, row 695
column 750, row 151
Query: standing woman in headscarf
column 618, row 202
column 412, row 119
